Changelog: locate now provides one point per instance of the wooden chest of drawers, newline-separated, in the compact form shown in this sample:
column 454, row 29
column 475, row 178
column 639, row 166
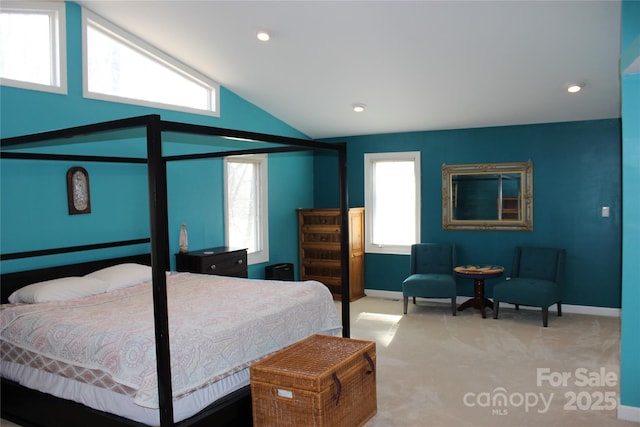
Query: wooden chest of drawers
column 319, row 245
column 221, row 261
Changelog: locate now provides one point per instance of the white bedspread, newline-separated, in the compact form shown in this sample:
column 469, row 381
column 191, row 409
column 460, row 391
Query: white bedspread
column 216, row 325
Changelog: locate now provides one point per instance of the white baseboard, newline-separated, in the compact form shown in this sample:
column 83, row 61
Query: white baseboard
column 629, row 413
column 566, row 308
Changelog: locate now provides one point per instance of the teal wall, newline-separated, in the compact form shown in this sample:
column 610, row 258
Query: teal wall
column 576, row 171
column 630, row 329
column 119, row 193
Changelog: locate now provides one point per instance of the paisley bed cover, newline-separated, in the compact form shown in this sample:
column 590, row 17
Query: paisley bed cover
column 217, row 325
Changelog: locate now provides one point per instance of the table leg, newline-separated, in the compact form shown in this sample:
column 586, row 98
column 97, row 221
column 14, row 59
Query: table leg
column 478, row 301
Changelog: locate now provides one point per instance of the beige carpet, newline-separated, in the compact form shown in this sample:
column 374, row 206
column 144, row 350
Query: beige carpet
column 438, row 370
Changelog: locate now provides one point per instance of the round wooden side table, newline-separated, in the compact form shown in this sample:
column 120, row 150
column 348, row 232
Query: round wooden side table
column 478, row 273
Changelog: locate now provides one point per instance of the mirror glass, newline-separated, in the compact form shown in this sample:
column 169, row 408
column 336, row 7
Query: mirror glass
column 488, row 196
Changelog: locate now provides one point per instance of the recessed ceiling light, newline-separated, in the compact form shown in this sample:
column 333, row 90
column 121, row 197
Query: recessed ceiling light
column 575, row 87
column 263, row 36
column 359, row 108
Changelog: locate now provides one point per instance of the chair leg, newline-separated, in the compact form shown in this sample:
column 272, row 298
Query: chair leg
column 406, row 303
column 414, row 300
column 559, row 309
column 496, row 306
column 517, row 306
column 453, row 306
column 545, row 316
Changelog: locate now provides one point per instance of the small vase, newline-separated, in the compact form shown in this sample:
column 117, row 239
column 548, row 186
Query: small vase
column 184, row 240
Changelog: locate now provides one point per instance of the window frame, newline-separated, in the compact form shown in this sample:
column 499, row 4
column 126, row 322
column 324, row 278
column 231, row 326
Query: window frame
column 369, row 191
column 262, row 255
column 153, row 53
column 58, row 44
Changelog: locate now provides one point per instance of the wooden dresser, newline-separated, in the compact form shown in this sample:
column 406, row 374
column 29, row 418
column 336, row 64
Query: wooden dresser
column 221, row 261
column 319, row 245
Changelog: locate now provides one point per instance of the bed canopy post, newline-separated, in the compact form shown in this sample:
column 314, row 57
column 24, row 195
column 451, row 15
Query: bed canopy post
column 344, row 241
column 159, row 223
column 160, row 255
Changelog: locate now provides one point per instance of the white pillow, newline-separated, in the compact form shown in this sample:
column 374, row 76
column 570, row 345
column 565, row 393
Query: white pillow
column 122, row 275
column 58, row 290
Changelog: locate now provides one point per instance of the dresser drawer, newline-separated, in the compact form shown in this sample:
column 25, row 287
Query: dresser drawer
column 311, row 252
column 228, row 264
column 320, row 217
column 320, row 234
column 220, row 261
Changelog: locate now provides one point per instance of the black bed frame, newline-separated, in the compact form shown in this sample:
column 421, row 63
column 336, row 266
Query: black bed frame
column 19, row 402
column 30, row 408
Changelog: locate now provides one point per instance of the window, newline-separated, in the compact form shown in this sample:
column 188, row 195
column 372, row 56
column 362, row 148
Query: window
column 122, row 68
column 246, row 205
column 392, row 202
column 32, row 46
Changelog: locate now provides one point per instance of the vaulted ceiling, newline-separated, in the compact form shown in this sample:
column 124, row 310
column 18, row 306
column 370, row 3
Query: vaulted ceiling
column 416, row 65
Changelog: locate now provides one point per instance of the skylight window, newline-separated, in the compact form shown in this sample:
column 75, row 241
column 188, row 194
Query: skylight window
column 122, row 68
column 32, row 46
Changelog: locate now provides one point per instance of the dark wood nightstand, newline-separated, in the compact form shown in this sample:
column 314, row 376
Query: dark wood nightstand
column 221, row 261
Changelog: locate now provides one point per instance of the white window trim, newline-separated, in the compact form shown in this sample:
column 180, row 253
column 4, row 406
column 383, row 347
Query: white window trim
column 369, row 159
column 59, row 48
column 262, row 255
column 154, row 53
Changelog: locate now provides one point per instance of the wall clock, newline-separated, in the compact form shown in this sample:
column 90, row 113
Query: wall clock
column 78, row 194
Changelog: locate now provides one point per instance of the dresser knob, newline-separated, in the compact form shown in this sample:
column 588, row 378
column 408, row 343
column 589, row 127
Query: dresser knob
column 240, row 261
column 213, row 267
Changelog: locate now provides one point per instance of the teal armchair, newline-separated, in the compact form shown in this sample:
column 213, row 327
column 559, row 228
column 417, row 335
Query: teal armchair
column 432, row 275
column 536, row 280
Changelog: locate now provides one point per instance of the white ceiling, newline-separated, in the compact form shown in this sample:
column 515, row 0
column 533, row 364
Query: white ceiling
column 417, row 65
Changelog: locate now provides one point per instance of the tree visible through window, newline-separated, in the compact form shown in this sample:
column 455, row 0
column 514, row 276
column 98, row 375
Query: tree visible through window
column 246, row 206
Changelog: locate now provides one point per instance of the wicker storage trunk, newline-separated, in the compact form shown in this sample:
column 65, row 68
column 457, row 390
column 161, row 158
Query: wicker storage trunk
column 320, row 381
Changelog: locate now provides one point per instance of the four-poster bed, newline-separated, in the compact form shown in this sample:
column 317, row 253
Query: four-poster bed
column 162, row 139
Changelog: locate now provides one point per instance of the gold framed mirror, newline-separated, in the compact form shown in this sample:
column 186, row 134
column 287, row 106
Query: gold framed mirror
column 488, row 196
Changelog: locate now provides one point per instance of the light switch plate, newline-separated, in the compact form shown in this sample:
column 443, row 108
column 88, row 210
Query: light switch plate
column 605, row 211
